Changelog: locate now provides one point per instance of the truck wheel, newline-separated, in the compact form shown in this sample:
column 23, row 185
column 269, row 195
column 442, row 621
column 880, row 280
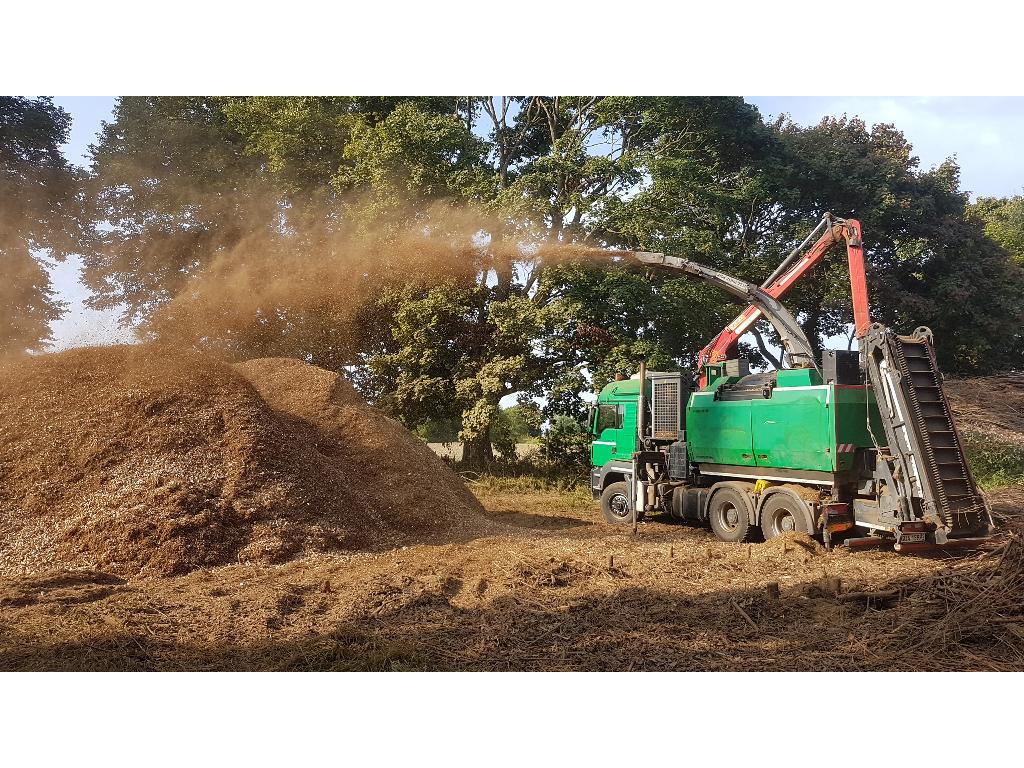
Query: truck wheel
column 783, row 513
column 615, row 504
column 728, row 515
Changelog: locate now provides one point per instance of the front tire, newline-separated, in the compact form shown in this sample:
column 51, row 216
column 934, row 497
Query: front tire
column 730, row 520
column 615, row 504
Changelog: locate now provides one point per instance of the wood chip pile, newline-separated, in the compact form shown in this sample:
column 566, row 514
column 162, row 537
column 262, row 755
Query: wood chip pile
column 143, row 460
column 992, row 406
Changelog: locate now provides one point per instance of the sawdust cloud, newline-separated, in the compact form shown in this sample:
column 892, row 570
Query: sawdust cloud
column 317, row 278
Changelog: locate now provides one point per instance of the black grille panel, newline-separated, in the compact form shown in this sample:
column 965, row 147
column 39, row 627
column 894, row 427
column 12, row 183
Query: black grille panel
column 666, row 407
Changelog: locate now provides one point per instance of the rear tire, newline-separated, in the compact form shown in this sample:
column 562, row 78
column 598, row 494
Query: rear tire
column 783, row 513
column 730, row 520
column 615, row 504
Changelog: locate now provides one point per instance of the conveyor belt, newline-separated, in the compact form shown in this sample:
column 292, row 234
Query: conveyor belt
column 924, row 448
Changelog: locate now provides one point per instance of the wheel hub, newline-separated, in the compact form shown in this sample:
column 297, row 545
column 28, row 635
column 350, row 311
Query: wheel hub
column 782, row 521
column 619, row 505
column 730, row 517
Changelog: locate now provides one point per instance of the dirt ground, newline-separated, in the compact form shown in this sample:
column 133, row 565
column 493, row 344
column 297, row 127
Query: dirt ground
column 555, row 589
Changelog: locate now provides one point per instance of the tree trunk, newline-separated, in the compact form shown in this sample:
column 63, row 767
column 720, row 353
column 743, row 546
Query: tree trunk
column 763, row 348
column 477, row 452
column 810, row 326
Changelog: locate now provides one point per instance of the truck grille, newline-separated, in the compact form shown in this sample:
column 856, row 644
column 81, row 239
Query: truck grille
column 665, row 408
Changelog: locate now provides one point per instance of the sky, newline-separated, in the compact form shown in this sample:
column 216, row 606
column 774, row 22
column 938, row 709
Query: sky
column 983, row 133
column 80, row 326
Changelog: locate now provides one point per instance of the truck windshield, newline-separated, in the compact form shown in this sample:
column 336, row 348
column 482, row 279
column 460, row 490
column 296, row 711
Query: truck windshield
column 608, row 417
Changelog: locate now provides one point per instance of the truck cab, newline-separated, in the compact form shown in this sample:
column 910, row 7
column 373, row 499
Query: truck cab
column 613, row 423
column 615, row 428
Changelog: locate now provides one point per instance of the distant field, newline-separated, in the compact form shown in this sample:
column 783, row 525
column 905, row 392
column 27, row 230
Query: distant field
column 454, row 450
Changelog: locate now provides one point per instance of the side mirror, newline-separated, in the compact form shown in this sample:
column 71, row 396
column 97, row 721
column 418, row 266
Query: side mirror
column 591, row 412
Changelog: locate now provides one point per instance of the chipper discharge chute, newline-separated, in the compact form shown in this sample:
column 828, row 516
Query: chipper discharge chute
column 859, row 445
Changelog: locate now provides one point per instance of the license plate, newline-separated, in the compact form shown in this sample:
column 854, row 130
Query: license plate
column 910, row 538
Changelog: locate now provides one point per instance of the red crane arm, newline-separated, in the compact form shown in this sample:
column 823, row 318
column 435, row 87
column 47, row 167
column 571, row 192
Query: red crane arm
column 843, row 229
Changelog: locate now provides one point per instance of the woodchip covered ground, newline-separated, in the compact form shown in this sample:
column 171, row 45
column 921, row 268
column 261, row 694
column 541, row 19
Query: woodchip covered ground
column 529, row 581
column 554, row 591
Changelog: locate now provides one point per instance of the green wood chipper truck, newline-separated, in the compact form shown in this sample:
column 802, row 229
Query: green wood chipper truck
column 858, row 446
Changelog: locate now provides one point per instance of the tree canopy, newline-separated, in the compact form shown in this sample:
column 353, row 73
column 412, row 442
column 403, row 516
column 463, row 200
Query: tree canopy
column 445, row 222
column 40, row 217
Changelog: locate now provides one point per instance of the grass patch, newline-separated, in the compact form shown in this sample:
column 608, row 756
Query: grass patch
column 994, row 463
column 527, row 483
column 529, row 474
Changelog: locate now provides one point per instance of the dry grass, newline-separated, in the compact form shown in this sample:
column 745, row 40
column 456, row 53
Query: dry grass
column 554, row 590
column 991, row 406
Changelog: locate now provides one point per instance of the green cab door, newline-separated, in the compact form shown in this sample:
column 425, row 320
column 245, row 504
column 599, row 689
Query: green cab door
column 614, row 432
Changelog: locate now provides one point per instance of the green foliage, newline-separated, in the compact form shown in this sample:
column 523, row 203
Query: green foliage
column 304, row 141
column 929, row 263
column 566, row 445
column 528, row 477
column 994, row 463
column 1004, row 222
column 623, row 317
column 411, row 154
column 175, row 187
column 180, row 181
column 524, row 419
column 301, row 139
column 966, row 289
column 518, row 424
column 702, row 155
column 439, row 430
column 40, row 217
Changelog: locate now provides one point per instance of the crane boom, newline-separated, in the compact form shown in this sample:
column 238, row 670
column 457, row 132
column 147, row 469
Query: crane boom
column 794, row 341
column 848, row 230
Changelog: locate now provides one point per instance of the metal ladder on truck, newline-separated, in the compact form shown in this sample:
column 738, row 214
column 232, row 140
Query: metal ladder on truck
column 924, row 457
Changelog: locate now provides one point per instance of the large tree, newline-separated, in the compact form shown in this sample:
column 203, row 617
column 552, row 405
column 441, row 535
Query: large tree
column 40, row 218
column 929, row 262
column 209, row 204
column 528, row 320
column 1003, row 219
column 503, row 325
column 696, row 173
column 445, row 223
column 172, row 187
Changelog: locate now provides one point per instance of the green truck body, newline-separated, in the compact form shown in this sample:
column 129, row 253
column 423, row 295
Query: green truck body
column 787, row 450
column 833, row 441
column 804, row 424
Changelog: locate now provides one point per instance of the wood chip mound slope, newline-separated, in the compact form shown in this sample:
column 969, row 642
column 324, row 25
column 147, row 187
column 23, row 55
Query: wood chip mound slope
column 989, row 406
column 144, row 460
